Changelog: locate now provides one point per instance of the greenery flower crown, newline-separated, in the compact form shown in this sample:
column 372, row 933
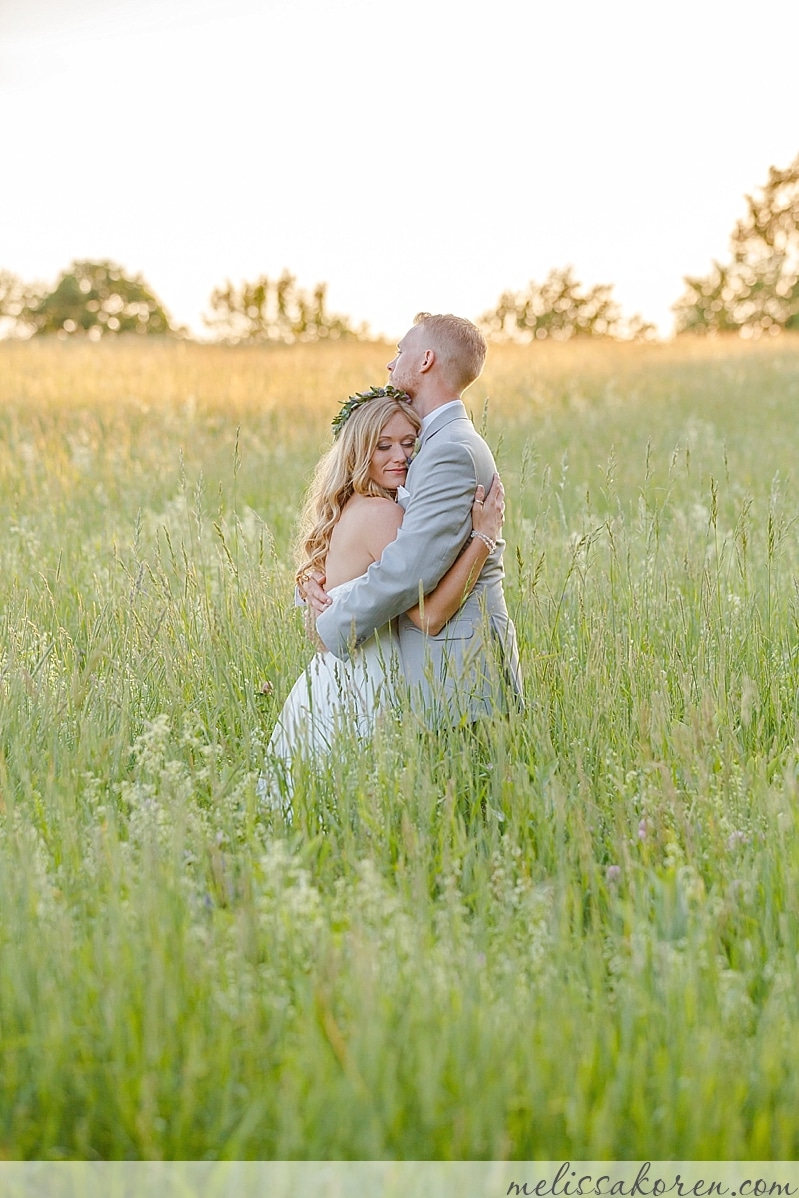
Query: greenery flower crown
column 361, row 397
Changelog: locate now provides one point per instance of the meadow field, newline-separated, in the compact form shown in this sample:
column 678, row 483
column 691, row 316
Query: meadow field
column 575, row 938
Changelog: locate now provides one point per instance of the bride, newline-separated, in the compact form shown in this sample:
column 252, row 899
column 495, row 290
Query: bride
column 350, row 514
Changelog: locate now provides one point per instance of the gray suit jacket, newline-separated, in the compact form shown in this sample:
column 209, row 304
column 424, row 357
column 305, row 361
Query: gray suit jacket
column 472, row 666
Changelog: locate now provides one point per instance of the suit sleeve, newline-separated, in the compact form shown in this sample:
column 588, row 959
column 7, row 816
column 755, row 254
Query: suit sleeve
column 437, row 523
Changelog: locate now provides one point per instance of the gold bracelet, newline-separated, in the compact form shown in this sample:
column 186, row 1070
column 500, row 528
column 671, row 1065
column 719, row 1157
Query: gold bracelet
column 486, row 540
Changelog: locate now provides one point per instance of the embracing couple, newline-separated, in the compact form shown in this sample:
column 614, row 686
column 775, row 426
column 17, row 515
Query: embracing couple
column 400, row 557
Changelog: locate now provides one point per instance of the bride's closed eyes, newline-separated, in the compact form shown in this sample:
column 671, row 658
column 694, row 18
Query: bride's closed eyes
column 406, row 443
column 389, row 464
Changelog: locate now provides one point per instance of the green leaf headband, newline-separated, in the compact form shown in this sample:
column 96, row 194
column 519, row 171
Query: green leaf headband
column 361, row 397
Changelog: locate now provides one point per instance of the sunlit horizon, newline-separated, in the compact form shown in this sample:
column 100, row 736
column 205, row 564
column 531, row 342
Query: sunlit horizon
column 428, row 157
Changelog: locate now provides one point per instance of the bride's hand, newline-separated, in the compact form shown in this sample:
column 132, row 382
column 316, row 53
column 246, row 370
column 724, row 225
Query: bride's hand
column 488, row 511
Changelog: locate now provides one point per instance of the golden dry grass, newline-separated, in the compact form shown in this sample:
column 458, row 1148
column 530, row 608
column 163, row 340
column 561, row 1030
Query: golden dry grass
column 574, row 937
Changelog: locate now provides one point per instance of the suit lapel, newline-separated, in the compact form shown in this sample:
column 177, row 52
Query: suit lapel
column 439, row 422
column 456, row 412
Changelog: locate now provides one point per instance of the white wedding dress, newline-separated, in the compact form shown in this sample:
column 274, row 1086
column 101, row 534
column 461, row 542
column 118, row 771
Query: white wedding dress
column 330, row 698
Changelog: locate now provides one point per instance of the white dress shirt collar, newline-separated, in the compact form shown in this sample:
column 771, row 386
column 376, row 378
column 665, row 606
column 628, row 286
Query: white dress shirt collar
column 431, row 416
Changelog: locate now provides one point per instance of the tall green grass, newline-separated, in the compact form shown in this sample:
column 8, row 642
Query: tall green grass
column 573, row 936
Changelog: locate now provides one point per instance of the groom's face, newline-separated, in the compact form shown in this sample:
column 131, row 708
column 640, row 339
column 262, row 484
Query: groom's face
column 404, row 369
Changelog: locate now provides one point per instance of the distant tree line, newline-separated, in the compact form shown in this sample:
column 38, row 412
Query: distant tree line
column 560, row 308
column 98, row 299
column 755, row 292
column 94, row 299
column 276, row 310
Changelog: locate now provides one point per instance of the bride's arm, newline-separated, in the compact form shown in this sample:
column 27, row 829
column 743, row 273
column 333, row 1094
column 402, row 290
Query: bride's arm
column 457, row 584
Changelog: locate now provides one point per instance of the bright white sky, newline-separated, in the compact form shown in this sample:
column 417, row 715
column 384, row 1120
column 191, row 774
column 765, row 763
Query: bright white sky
column 423, row 154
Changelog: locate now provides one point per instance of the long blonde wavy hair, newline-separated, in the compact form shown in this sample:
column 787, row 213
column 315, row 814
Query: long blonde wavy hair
column 341, row 473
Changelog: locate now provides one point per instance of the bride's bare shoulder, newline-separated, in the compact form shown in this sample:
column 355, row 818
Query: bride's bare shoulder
column 371, row 507
column 372, row 517
column 366, row 525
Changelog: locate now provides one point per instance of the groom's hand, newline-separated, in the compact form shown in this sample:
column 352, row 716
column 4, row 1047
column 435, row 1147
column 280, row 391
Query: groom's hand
column 315, row 594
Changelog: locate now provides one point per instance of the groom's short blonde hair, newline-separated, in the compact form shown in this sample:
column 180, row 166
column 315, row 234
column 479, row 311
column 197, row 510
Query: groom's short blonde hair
column 460, row 344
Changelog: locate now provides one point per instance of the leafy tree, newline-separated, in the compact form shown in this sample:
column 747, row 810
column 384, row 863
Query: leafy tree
column 758, row 290
column 559, row 308
column 96, row 299
column 275, row 310
column 14, row 296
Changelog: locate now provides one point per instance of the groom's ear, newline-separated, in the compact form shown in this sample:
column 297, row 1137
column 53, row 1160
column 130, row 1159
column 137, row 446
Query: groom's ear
column 428, row 360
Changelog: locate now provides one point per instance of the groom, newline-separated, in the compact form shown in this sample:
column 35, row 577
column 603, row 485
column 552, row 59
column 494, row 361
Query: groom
column 471, row 668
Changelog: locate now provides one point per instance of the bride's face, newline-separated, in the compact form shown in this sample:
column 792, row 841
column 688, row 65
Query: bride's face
column 389, row 465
